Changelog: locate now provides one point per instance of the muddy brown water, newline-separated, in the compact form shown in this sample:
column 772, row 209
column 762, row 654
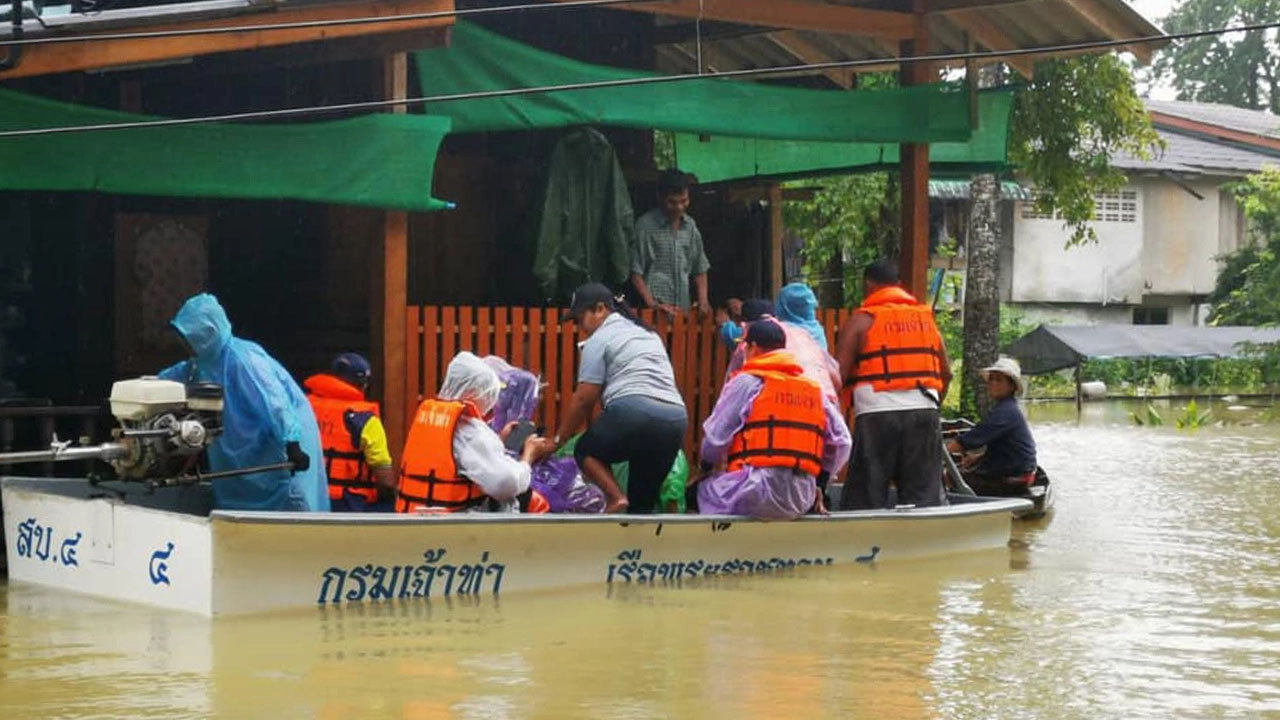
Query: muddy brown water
column 1152, row 592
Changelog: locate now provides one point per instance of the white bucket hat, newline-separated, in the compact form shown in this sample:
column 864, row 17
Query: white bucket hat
column 1010, row 368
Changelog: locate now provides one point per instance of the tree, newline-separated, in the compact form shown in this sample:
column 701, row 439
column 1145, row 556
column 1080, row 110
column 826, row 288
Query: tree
column 1236, row 69
column 851, row 220
column 1248, row 287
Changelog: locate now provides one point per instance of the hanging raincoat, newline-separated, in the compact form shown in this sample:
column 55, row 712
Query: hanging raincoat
column 798, row 306
column 263, row 410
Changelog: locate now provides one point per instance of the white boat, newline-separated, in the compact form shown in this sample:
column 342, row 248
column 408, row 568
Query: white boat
column 165, row 549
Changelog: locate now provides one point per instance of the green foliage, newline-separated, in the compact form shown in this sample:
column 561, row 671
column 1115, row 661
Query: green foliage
column 1192, row 418
column 1236, row 69
column 1149, row 416
column 1072, row 118
column 1248, row 287
column 853, row 215
column 664, row 149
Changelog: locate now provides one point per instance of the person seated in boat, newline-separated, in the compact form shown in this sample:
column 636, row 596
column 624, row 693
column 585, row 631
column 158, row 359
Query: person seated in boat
column 773, row 432
column 453, row 461
column 1009, row 463
column 356, row 458
column 265, row 417
column 624, row 366
column 816, row 363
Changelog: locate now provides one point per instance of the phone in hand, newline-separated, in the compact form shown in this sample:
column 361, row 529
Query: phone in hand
column 520, row 433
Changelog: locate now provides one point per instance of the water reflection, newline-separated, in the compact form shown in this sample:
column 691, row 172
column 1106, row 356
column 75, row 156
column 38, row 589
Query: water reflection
column 1154, row 591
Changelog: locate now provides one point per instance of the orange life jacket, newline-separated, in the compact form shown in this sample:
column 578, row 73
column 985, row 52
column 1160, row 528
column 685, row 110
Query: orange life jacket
column 341, row 412
column 902, row 349
column 428, row 473
column 786, row 422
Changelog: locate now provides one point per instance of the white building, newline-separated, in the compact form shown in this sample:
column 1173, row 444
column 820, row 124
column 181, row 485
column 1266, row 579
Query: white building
column 1159, row 238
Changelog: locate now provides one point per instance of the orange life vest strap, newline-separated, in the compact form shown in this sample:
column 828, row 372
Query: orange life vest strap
column 429, row 498
column 768, row 450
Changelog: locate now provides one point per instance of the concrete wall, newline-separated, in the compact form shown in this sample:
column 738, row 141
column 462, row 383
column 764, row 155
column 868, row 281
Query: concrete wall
column 1180, row 236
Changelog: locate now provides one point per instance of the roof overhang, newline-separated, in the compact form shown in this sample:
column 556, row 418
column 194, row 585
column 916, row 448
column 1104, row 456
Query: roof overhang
column 96, row 54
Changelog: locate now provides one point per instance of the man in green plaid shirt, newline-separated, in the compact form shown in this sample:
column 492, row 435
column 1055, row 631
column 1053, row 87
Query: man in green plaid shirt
column 668, row 251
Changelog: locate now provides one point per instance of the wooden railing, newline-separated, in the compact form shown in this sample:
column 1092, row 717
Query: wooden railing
column 535, row 339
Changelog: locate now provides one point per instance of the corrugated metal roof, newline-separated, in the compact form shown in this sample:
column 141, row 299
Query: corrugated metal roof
column 1193, row 156
column 992, row 25
column 1257, row 122
column 959, row 190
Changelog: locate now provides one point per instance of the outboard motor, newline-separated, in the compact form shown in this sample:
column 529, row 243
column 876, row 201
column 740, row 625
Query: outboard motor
column 164, row 426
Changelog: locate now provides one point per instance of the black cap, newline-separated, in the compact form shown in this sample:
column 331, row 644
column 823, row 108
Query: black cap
column 586, row 297
column 756, row 308
column 766, row 335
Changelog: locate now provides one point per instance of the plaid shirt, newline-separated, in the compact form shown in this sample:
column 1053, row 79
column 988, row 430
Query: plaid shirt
column 665, row 258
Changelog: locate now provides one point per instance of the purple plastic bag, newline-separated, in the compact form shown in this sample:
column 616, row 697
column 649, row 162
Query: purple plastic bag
column 519, row 397
column 557, row 480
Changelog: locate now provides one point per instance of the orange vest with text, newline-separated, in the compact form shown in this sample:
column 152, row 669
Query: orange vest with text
column 429, row 476
column 902, row 349
column 338, row 405
column 786, row 423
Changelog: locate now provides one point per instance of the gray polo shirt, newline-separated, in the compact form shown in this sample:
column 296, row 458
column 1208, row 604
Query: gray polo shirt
column 627, row 360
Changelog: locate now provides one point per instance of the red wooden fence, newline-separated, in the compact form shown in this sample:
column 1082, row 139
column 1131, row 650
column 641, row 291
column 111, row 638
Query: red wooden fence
column 535, row 339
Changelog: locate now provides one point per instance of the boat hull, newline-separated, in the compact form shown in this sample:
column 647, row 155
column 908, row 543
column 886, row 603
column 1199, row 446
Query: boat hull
column 246, row 562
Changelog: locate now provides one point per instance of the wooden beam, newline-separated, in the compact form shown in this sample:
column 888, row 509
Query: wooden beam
column 97, row 54
column 395, row 297
column 786, row 14
column 993, row 38
column 1111, row 27
column 775, row 239
column 913, row 255
column 944, row 6
column 801, row 49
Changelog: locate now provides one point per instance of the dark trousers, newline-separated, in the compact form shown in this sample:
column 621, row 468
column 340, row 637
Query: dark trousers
column 901, row 447
column 643, row 432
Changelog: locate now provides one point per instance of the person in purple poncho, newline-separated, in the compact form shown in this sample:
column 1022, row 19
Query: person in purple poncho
column 773, row 431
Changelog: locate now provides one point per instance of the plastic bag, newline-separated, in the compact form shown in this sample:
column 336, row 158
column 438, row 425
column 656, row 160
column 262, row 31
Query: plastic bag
column 558, row 480
column 673, row 485
column 519, row 396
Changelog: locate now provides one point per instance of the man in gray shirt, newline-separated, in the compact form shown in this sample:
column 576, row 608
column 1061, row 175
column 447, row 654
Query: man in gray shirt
column 668, row 251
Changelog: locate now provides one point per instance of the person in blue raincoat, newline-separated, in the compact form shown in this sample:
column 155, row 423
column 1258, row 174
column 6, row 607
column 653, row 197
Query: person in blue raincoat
column 797, row 305
column 266, row 419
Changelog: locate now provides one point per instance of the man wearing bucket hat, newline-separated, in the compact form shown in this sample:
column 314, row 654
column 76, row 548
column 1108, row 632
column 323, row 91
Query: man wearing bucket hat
column 1010, row 456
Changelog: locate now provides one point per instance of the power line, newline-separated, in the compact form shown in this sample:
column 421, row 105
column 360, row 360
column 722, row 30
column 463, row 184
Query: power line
column 627, row 82
column 152, row 34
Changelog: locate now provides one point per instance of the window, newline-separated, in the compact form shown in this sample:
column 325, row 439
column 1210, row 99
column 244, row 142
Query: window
column 1121, row 206
column 1151, row 316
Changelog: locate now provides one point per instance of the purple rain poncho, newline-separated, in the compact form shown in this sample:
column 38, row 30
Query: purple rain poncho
column 556, row 479
column 766, row 493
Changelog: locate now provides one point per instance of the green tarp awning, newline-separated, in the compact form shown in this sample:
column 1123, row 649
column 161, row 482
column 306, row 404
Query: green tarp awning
column 478, row 60
column 383, row 160
column 728, row 158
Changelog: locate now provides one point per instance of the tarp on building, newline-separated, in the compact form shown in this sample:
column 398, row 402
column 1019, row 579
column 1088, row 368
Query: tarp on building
column 382, row 160
column 478, row 60
column 718, row 159
column 1049, row 347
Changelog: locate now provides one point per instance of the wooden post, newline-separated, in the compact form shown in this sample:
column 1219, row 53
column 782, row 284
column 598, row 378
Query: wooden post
column 913, row 258
column 1079, row 393
column 394, row 285
column 775, row 239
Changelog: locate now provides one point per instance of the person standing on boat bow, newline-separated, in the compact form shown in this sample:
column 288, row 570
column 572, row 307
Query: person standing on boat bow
column 265, row 417
column 1008, row 465
column 356, row 458
column 890, row 351
column 623, row 366
column 453, row 461
column 774, row 430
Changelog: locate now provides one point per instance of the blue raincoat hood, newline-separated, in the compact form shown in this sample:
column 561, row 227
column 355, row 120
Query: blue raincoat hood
column 799, row 306
column 204, row 324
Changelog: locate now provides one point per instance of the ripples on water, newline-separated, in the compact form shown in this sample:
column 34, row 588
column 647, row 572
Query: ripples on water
column 1153, row 592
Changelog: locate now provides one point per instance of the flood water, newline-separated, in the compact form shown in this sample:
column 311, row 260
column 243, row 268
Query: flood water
column 1152, row 592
